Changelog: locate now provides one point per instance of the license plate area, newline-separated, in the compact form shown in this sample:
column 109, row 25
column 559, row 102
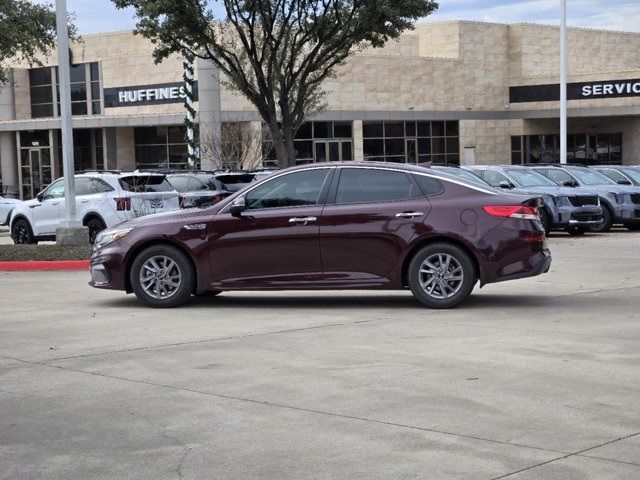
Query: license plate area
column 157, row 203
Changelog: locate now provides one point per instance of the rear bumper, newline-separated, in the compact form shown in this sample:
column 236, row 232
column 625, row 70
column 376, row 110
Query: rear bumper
column 536, row 265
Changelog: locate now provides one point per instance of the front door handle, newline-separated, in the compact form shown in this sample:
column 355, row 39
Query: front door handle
column 302, row 220
column 409, row 214
column 55, row 203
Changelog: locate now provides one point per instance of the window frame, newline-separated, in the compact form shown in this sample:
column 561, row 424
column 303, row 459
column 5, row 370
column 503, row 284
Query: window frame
column 331, row 200
column 322, row 197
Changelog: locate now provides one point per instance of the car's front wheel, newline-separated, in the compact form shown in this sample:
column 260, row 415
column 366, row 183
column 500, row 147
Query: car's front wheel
column 21, row 233
column 576, row 231
column 162, row 276
column 441, row 275
column 95, row 226
column 607, row 221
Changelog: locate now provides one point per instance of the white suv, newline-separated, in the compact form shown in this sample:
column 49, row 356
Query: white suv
column 102, row 201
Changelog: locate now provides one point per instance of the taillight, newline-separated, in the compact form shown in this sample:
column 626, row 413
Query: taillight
column 534, row 238
column 513, row 211
column 123, row 203
column 215, row 199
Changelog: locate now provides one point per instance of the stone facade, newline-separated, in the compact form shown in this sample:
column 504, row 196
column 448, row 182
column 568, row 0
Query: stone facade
column 456, row 70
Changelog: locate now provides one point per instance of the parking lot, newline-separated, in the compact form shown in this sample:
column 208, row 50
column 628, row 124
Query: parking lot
column 537, row 378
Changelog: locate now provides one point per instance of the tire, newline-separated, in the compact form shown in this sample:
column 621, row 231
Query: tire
column 21, row 233
column 428, row 288
column 576, row 231
column 95, row 226
column 634, row 227
column 162, row 276
column 607, row 221
column 545, row 219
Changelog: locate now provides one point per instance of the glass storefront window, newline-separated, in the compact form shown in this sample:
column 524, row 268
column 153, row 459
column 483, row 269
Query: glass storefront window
column 395, row 141
column 85, row 90
column 161, row 147
column 588, row 149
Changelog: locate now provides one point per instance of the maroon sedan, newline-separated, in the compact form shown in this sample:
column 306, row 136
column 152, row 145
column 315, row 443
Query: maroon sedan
column 330, row 226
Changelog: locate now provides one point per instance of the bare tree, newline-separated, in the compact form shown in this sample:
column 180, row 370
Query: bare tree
column 241, row 145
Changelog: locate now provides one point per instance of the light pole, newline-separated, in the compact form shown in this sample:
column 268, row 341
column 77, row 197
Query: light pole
column 563, row 81
column 72, row 232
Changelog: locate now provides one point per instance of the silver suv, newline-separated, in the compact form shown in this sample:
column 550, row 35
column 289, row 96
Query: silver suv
column 620, row 203
column 571, row 209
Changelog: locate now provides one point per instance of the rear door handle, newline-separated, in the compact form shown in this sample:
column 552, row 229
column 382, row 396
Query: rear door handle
column 55, row 203
column 409, row 214
column 302, row 220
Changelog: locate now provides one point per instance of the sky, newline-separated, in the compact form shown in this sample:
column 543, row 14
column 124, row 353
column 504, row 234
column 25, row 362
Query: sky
column 93, row 16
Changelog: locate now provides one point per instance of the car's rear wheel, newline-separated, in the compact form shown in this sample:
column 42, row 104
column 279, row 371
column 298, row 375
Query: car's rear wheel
column 21, row 233
column 576, row 231
column 162, row 276
column 441, row 275
column 607, row 221
column 95, row 226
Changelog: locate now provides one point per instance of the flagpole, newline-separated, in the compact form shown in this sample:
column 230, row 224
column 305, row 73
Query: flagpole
column 563, row 81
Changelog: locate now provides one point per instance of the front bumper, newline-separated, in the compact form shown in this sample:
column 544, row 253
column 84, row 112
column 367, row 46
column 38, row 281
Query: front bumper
column 577, row 216
column 107, row 270
column 627, row 213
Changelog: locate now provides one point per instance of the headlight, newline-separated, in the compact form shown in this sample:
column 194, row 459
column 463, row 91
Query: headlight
column 618, row 197
column 108, row 236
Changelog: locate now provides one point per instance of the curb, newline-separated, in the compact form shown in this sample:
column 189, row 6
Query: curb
column 44, row 265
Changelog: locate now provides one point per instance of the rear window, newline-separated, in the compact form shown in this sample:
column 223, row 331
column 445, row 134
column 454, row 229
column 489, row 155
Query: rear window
column 235, row 179
column 146, row 183
column 187, row 183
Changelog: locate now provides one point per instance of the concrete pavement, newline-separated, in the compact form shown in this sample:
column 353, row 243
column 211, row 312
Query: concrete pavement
column 532, row 379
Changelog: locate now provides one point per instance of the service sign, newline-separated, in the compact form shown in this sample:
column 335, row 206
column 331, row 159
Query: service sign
column 157, row 94
column 575, row 91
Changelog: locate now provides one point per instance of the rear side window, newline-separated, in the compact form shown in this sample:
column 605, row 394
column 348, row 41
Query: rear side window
column 360, row 185
column 146, row 183
column 429, row 186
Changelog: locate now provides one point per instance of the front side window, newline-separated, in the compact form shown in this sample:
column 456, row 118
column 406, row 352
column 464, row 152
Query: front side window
column 292, row 190
column 494, row 178
column 55, row 190
column 634, row 174
column 529, row 178
column 559, row 176
column 360, row 185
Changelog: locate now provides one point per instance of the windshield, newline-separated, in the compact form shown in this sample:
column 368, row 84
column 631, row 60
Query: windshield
column 633, row 173
column 591, row 177
column 529, row 178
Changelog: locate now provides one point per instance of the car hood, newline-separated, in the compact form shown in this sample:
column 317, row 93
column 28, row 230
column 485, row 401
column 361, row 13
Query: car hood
column 12, row 201
column 612, row 188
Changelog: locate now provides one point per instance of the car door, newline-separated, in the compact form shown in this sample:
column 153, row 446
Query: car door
column 371, row 215
column 47, row 214
column 275, row 241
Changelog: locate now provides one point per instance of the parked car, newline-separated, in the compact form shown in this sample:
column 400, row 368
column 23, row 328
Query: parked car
column 330, row 226
column 195, row 190
column 7, row 205
column 620, row 203
column 103, row 200
column 622, row 175
column 571, row 209
column 230, row 181
column 459, row 173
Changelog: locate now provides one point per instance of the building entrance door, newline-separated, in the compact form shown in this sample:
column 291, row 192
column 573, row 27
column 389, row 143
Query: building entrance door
column 411, row 147
column 333, row 150
column 35, row 171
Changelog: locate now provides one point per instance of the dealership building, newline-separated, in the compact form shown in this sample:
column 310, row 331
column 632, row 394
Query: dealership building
column 457, row 92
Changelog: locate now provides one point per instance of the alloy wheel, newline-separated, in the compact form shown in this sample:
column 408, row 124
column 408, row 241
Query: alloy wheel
column 441, row 276
column 160, row 277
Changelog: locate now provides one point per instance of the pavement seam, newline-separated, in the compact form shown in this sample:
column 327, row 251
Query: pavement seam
column 210, row 340
column 578, row 453
column 289, row 407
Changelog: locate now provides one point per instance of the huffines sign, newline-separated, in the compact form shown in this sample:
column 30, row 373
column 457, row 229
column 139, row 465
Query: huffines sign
column 146, row 95
column 575, row 91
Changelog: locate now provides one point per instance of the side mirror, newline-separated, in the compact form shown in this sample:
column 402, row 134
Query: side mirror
column 506, row 185
column 237, row 207
column 624, row 182
column 40, row 196
column 570, row 183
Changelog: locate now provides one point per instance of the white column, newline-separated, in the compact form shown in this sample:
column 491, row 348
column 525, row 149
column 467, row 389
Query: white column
column 563, row 81
column 65, row 114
